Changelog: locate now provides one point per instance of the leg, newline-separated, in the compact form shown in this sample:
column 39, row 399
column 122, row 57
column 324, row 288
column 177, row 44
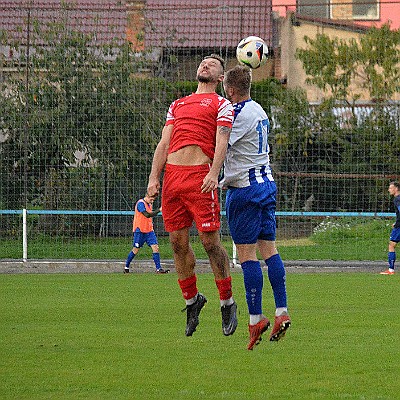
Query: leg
column 183, row 253
column 253, row 280
column 219, row 262
column 253, row 284
column 156, row 256
column 217, row 254
column 393, row 240
column 277, row 279
column 184, row 263
column 392, row 254
column 139, row 239
column 157, row 260
column 243, row 210
column 267, row 248
column 276, row 271
column 391, row 258
column 129, row 259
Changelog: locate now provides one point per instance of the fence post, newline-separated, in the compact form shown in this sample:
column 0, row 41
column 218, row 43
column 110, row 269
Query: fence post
column 234, row 257
column 24, row 236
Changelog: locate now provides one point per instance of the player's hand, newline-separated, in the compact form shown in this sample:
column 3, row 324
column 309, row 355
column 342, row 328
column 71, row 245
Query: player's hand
column 210, row 183
column 153, row 188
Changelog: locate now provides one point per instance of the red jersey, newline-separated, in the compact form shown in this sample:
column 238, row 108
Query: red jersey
column 139, row 220
column 195, row 118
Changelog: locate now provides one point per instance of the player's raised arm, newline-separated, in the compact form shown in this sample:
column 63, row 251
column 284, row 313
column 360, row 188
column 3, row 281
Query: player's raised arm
column 159, row 160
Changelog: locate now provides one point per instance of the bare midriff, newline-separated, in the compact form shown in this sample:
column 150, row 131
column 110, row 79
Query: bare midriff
column 188, row 155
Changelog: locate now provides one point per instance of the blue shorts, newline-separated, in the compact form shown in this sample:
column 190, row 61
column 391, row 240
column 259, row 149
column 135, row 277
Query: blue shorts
column 395, row 235
column 140, row 238
column 251, row 212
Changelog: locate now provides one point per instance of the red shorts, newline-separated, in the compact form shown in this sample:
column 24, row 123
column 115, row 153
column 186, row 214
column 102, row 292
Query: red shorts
column 182, row 201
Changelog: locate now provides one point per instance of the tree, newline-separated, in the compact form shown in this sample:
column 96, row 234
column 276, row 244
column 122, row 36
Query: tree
column 71, row 96
column 332, row 64
column 379, row 59
column 365, row 143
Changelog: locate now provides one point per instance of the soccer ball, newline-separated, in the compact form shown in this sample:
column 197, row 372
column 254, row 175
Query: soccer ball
column 252, row 51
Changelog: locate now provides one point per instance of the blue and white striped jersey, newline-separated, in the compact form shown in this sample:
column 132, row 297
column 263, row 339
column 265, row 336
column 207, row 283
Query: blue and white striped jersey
column 247, row 159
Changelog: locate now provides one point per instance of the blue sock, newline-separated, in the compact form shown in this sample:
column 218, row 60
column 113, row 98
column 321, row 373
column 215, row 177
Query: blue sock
column 391, row 259
column 131, row 256
column 156, row 259
column 253, row 283
column 277, row 278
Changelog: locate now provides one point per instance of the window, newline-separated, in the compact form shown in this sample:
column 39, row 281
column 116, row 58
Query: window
column 354, row 9
column 313, row 8
column 365, row 10
column 339, row 9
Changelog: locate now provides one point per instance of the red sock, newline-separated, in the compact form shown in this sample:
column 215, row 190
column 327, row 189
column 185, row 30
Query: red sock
column 224, row 287
column 188, row 287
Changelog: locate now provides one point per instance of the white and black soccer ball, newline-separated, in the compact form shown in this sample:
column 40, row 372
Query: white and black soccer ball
column 252, row 51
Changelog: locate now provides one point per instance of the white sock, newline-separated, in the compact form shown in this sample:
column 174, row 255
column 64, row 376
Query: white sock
column 255, row 318
column 226, row 302
column 191, row 301
column 280, row 311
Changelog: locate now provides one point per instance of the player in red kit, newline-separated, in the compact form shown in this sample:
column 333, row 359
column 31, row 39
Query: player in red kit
column 191, row 152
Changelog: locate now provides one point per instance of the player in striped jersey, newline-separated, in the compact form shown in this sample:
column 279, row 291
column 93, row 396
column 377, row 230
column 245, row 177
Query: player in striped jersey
column 250, row 205
column 192, row 150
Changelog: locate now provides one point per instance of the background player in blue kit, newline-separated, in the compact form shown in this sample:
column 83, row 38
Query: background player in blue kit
column 143, row 232
column 250, row 205
column 394, row 190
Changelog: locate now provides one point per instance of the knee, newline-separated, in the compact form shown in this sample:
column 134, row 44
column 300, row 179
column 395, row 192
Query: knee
column 178, row 247
column 209, row 245
column 212, row 248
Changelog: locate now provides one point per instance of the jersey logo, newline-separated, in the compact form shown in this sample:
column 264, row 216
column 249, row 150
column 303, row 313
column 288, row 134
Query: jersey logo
column 206, row 102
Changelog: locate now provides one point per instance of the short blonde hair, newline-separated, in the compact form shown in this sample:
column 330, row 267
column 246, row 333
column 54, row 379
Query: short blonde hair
column 239, row 77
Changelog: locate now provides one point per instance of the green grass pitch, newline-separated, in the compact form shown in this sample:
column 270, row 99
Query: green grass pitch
column 115, row 336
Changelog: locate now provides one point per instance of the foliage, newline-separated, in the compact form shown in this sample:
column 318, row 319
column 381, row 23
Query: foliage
column 337, row 136
column 58, row 124
column 266, row 92
column 332, row 64
column 80, row 123
column 337, row 229
column 329, row 63
column 379, row 56
column 316, row 142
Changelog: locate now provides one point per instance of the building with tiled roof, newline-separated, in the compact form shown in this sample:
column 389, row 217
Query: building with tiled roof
column 206, row 23
column 105, row 20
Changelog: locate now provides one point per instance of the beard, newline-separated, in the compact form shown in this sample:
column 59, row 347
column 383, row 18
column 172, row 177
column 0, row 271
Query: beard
column 204, row 79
